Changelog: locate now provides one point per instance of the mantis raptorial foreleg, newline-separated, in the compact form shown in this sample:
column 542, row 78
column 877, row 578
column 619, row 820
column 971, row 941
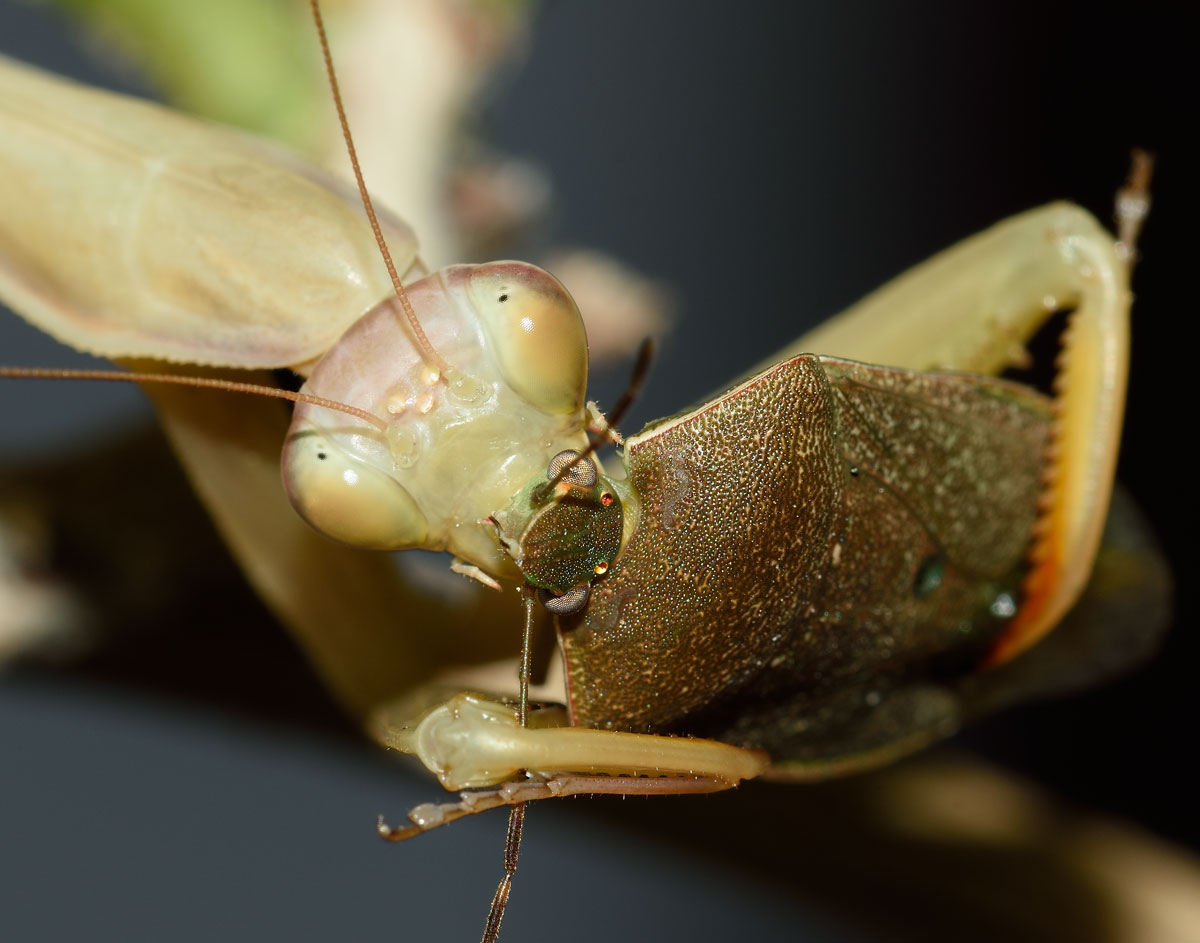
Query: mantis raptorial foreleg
column 472, row 742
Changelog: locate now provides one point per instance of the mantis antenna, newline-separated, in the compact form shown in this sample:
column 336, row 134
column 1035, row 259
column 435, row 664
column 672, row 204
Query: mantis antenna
column 431, row 355
column 206, row 383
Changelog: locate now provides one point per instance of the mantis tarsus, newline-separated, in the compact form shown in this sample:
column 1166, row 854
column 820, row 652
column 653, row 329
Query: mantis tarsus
column 675, row 397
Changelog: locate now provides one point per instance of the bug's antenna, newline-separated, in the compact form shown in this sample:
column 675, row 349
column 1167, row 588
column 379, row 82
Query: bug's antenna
column 637, row 377
column 427, row 349
column 516, row 815
column 205, row 383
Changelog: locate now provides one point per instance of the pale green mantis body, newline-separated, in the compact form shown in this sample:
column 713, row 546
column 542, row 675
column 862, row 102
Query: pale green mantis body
column 844, row 352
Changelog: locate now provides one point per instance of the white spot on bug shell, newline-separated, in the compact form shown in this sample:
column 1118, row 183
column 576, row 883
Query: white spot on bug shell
column 1049, row 302
column 873, row 698
column 836, row 556
column 1003, row 606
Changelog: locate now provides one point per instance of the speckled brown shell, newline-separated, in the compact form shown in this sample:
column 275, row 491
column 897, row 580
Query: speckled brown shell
column 787, row 535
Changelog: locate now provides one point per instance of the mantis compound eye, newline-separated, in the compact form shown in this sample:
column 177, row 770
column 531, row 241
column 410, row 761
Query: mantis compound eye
column 348, row 499
column 535, row 332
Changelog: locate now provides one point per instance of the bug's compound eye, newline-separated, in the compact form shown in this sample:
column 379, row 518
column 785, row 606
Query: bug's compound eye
column 535, row 332
column 583, row 472
column 569, row 603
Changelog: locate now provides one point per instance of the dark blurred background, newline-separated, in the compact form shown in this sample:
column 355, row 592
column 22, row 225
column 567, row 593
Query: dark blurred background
column 772, row 162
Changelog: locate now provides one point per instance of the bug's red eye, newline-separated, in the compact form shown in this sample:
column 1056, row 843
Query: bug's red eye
column 606, row 499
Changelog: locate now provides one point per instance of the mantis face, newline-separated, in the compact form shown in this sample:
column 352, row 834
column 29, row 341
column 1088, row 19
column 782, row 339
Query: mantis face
column 458, row 444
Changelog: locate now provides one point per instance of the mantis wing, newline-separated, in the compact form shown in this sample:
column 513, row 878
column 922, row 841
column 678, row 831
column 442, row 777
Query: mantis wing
column 129, row 230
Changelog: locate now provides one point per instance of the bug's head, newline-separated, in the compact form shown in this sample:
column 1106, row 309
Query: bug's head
column 563, row 530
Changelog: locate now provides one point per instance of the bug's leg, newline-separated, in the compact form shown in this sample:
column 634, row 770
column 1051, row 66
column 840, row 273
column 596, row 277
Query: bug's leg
column 972, row 308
